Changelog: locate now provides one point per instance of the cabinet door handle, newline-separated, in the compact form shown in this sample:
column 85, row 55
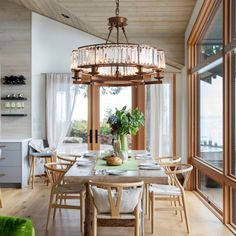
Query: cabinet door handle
column 2, row 146
column 2, row 158
column 2, row 175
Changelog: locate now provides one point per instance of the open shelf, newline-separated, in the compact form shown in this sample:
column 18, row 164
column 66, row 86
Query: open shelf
column 13, row 114
column 5, row 98
column 14, row 84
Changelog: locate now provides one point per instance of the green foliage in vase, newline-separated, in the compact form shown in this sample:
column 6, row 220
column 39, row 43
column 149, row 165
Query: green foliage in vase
column 126, row 121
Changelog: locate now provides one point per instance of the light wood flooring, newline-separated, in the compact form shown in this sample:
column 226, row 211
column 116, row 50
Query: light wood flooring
column 33, row 203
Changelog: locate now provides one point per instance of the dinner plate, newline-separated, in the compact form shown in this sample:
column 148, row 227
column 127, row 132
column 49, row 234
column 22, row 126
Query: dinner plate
column 90, row 154
column 143, row 156
column 149, row 164
column 153, row 167
column 116, row 172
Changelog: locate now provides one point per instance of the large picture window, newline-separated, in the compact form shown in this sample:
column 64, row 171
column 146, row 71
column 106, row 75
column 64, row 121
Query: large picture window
column 212, row 106
column 210, row 147
column 211, row 41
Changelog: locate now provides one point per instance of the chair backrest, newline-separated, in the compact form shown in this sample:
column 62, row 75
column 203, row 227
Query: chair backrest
column 168, row 160
column 172, row 170
column 118, row 197
column 36, row 145
column 56, row 171
column 70, row 160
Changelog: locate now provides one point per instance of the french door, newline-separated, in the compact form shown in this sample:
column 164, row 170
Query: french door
column 93, row 106
column 103, row 101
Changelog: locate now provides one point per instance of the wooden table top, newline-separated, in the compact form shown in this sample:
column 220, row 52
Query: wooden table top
column 82, row 174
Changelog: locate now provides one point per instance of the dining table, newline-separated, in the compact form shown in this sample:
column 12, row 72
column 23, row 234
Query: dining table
column 96, row 170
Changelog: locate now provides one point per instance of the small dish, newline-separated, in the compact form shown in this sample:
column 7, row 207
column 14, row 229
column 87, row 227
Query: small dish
column 84, row 162
column 90, row 154
column 116, row 172
column 153, row 167
column 142, row 156
column 149, row 164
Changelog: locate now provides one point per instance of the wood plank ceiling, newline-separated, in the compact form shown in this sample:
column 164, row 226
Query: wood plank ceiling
column 159, row 23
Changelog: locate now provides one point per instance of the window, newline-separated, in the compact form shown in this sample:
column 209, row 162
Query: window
column 212, row 40
column 233, row 19
column 233, row 204
column 233, row 160
column 212, row 190
column 159, row 118
column 212, row 116
column 77, row 137
column 210, row 147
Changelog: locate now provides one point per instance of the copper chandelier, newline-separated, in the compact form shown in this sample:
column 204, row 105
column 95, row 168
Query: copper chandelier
column 117, row 64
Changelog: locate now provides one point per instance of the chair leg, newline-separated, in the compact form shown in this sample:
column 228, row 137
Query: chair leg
column 185, row 213
column 54, row 212
column 152, row 213
column 181, row 211
column 150, row 207
column 33, row 169
column 137, row 225
column 147, row 199
column 49, row 209
column 1, row 203
column 94, row 223
column 30, row 172
column 81, row 211
column 175, row 205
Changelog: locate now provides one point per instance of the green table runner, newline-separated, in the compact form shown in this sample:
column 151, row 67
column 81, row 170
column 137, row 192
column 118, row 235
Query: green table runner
column 130, row 164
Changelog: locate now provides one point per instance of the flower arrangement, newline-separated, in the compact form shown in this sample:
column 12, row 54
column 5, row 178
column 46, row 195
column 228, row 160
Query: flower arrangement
column 124, row 122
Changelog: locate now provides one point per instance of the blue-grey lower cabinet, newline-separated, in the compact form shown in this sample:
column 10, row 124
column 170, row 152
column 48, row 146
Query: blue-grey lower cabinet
column 14, row 163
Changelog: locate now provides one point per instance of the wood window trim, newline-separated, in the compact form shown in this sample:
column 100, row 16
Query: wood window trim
column 228, row 181
column 174, row 116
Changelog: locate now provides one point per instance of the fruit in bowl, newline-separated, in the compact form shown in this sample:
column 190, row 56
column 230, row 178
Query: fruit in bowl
column 114, row 161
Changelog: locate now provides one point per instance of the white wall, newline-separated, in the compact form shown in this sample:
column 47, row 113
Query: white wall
column 52, row 44
column 15, row 59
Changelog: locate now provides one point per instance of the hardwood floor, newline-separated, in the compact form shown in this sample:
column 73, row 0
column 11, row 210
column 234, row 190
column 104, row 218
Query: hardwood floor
column 33, row 203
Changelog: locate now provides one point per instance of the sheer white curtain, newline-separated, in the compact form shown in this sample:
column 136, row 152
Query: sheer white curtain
column 61, row 95
column 161, row 118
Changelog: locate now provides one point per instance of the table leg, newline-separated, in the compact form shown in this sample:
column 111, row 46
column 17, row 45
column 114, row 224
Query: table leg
column 88, row 224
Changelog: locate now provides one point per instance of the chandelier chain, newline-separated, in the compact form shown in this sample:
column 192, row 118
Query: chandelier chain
column 117, row 7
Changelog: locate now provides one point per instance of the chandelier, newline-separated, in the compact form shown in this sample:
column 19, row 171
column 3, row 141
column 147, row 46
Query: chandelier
column 117, row 64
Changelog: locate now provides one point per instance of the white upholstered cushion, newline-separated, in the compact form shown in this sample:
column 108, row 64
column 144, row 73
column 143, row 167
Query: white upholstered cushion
column 129, row 199
column 161, row 189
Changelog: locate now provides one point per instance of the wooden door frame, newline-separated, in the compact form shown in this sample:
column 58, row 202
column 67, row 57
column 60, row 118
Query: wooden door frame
column 93, row 117
column 138, row 101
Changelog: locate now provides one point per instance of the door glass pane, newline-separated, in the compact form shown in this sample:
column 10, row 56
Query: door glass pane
column 210, row 144
column 212, row 190
column 233, row 161
column 212, row 39
column 234, row 207
column 110, row 99
column 77, row 137
column 234, row 19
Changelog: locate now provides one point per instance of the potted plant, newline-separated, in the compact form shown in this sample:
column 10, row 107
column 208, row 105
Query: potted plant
column 124, row 122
